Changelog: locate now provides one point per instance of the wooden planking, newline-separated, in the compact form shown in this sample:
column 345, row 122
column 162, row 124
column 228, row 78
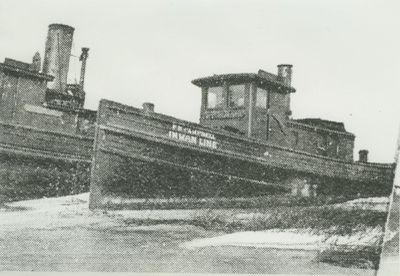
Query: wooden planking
column 24, row 139
column 124, row 120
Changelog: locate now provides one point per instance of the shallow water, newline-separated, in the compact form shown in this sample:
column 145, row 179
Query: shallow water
column 147, row 250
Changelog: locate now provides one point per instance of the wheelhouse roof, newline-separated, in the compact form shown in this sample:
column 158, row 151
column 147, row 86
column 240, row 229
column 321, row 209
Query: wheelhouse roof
column 262, row 79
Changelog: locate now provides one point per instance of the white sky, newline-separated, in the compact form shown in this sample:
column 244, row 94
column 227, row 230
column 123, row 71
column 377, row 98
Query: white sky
column 345, row 53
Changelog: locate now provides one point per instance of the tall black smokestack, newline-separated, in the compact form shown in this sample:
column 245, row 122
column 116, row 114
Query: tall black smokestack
column 57, row 55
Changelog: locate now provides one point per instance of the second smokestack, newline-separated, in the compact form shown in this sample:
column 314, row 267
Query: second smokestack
column 57, row 55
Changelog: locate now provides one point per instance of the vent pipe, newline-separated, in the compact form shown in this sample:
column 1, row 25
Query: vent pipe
column 36, row 62
column 83, row 59
column 148, row 107
column 285, row 73
column 363, row 156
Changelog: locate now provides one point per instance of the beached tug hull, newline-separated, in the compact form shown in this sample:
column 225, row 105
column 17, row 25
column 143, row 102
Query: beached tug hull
column 42, row 163
column 142, row 154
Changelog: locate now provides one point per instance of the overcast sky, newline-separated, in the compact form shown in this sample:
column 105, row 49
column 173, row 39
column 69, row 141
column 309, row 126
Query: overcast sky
column 345, row 54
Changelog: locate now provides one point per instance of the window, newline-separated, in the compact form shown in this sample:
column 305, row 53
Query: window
column 261, row 98
column 215, row 97
column 236, row 95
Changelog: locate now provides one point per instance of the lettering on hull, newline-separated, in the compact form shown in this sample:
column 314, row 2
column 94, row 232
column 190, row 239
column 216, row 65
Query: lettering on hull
column 193, row 136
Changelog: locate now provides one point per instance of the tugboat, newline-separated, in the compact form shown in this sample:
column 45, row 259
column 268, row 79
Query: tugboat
column 46, row 136
column 246, row 143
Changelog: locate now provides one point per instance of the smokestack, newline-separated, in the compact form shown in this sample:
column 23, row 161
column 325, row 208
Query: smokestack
column 285, row 73
column 57, row 54
column 363, row 156
column 83, row 59
column 148, row 107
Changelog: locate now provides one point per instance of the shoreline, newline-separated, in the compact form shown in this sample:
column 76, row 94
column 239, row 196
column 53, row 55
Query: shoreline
column 220, row 227
column 71, row 211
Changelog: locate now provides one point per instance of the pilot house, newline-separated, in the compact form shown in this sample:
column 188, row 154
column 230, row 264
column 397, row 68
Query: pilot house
column 258, row 106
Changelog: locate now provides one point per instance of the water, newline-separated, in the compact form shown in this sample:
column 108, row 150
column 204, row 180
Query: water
column 147, row 250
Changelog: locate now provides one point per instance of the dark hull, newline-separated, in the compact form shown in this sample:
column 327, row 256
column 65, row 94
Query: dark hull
column 141, row 155
column 39, row 163
column 150, row 155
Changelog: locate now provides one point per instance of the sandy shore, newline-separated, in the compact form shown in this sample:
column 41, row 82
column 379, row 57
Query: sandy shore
column 72, row 211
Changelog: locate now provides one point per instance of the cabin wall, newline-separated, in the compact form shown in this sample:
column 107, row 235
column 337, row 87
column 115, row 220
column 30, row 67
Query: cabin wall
column 233, row 119
column 322, row 142
column 16, row 91
column 8, row 92
column 274, row 125
column 237, row 125
column 22, row 102
column 279, row 105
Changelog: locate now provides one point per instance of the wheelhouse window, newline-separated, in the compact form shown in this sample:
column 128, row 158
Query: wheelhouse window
column 215, row 97
column 261, row 98
column 236, row 95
